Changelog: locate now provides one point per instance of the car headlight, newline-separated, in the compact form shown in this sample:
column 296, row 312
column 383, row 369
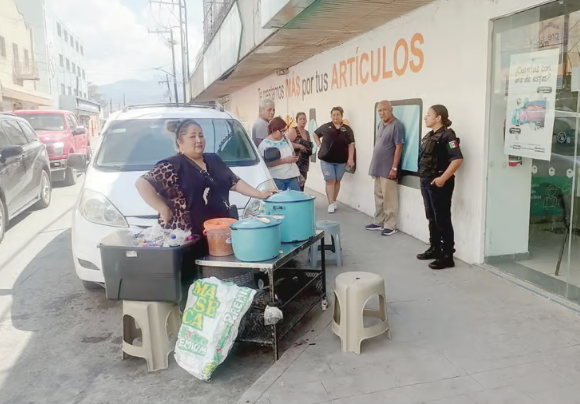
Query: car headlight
column 57, row 148
column 96, row 208
column 256, row 206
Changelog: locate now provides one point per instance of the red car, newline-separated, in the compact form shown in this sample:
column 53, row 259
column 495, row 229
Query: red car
column 62, row 134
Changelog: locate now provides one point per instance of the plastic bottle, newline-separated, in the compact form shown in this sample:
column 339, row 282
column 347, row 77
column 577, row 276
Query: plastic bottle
column 173, row 242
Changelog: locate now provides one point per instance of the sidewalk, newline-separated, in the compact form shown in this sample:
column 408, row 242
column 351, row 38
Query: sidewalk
column 459, row 336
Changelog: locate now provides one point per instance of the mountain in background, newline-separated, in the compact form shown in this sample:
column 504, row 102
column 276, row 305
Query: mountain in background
column 135, row 92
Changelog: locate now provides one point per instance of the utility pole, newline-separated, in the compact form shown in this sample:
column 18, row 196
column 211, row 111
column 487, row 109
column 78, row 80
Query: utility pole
column 172, row 46
column 166, row 81
column 124, row 103
column 184, row 42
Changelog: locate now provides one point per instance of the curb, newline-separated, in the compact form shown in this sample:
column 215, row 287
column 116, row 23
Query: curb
column 257, row 390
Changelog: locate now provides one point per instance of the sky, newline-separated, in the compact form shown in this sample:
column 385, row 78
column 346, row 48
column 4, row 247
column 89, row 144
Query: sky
column 115, row 34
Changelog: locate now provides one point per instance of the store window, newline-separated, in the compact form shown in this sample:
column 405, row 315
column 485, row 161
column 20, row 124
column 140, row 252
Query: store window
column 533, row 217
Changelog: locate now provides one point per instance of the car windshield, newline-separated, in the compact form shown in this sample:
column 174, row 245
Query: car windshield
column 46, row 122
column 137, row 145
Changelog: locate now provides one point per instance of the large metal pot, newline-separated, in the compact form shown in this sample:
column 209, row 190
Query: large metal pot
column 299, row 223
column 256, row 239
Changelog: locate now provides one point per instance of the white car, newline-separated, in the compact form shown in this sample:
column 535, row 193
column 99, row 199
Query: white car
column 131, row 144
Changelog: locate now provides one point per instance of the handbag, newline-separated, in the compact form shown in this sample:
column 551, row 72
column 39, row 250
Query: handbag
column 272, row 154
column 323, row 152
column 232, row 209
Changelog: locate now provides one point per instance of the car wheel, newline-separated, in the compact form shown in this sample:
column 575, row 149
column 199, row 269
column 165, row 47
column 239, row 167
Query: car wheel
column 91, row 286
column 3, row 220
column 45, row 191
column 70, row 177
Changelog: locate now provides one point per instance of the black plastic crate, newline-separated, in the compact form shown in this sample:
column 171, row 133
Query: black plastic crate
column 148, row 274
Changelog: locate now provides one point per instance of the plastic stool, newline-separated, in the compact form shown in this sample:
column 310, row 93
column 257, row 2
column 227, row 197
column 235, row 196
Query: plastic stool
column 159, row 324
column 331, row 229
column 352, row 290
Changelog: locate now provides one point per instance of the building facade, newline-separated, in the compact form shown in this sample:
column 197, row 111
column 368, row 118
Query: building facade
column 61, row 57
column 509, row 73
column 60, row 53
column 19, row 67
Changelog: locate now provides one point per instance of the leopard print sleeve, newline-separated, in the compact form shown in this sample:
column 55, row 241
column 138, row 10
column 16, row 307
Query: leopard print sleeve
column 163, row 178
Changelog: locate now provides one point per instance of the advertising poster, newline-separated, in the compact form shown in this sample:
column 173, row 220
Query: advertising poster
column 531, row 104
column 409, row 112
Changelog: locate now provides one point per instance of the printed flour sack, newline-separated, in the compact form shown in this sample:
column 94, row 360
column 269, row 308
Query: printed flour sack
column 210, row 325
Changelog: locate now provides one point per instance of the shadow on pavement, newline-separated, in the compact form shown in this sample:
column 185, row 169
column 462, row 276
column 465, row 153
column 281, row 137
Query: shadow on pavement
column 73, row 354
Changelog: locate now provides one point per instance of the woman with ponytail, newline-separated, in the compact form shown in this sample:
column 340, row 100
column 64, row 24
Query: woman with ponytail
column 191, row 187
column 439, row 159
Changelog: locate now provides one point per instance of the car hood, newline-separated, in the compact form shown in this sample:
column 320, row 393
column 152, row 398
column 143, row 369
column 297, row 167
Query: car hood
column 51, row 136
column 119, row 188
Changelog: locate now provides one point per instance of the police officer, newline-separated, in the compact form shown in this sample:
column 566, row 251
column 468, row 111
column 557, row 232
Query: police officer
column 439, row 159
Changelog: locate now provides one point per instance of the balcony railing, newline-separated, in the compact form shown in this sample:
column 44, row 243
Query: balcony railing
column 23, row 72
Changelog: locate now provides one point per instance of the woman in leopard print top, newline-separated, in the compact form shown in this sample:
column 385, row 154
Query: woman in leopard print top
column 191, row 187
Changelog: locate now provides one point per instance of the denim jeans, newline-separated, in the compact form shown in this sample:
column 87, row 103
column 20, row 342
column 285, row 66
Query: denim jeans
column 290, row 183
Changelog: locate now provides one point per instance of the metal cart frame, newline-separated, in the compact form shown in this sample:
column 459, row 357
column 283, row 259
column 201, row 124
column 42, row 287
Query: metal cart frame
column 295, row 308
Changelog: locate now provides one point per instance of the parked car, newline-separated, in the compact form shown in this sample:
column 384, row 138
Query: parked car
column 130, row 145
column 24, row 170
column 63, row 135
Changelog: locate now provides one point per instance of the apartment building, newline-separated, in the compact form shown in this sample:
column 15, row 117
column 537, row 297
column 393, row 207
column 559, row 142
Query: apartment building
column 19, row 67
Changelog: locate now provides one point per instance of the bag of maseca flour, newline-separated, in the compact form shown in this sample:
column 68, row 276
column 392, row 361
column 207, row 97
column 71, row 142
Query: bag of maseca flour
column 210, row 324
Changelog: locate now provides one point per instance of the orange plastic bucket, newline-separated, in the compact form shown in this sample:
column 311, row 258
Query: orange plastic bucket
column 219, row 236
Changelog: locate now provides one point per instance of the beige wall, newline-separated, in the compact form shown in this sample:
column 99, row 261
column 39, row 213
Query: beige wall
column 15, row 31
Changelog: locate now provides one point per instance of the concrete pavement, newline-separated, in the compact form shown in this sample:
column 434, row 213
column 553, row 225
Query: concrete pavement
column 459, row 336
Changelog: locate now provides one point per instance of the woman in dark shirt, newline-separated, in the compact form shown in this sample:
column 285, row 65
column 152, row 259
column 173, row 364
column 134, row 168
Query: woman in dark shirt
column 336, row 142
column 300, row 139
column 191, row 187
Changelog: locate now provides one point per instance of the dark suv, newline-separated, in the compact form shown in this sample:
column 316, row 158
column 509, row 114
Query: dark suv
column 24, row 169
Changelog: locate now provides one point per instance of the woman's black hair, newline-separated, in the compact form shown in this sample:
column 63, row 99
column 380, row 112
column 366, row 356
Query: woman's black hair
column 441, row 110
column 276, row 124
column 339, row 109
column 178, row 127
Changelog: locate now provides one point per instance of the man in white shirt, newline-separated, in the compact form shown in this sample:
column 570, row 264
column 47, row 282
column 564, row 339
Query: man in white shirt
column 260, row 128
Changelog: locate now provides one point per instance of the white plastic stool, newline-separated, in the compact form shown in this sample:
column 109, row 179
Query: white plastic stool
column 352, row 290
column 333, row 249
column 159, row 324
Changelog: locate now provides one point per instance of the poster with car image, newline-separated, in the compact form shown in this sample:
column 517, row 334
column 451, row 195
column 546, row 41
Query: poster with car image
column 531, row 101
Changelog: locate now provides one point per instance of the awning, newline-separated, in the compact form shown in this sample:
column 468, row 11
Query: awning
column 22, row 94
column 322, row 25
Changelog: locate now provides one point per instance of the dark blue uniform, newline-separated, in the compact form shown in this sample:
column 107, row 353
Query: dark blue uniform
column 438, row 149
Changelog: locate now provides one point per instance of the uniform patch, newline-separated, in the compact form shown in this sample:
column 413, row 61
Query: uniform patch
column 453, row 144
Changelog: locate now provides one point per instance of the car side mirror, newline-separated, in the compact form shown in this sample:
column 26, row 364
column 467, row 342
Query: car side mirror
column 77, row 161
column 10, row 151
column 79, row 130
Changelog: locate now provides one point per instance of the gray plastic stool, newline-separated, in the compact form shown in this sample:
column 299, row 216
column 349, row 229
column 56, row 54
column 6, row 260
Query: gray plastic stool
column 332, row 247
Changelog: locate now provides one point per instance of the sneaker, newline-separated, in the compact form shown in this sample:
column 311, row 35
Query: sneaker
column 331, row 208
column 445, row 261
column 335, row 204
column 388, row 232
column 431, row 254
column 373, row 227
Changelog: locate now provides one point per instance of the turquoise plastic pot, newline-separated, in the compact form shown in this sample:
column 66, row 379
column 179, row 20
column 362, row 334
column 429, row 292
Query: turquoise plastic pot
column 256, row 241
column 299, row 223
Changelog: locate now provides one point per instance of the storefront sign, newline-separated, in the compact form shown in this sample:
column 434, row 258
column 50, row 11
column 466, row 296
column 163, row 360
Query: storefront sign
column 531, row 104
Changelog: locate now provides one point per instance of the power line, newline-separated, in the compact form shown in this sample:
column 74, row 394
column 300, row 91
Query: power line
column 184, row 42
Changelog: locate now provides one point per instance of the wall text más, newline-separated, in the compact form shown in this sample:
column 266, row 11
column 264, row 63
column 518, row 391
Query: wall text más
column 361, row 68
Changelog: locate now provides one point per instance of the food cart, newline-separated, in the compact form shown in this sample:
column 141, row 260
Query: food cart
column 310, row 289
